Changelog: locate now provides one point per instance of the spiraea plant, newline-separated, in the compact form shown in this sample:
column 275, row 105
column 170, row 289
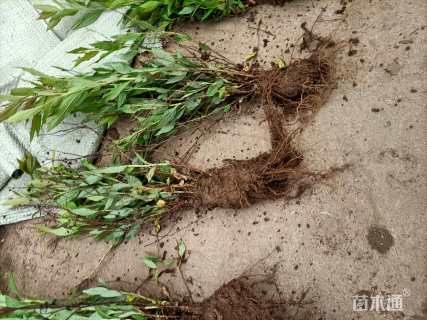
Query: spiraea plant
column 93, row 303
column 141, row 16
column 111, row 203
column 166, row 92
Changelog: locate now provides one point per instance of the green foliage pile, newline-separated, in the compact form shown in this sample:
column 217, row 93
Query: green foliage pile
column 93, row 303
column 110, row 203
column 141, row 15
column 166, row 91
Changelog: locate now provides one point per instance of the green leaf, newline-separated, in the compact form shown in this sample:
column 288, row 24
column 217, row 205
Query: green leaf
column 87, row 19
column 133, row 231
column 35, row 73
column 25, row 114
column 102, row 292
column 181, row 249
column 59, row 232
column 95, row 198
column 22, row 92
column 151, row 173
column 214, row 88
column 11, row 284
column 186, row 10
column 120, row 67
column 114, row 93
column 69, row 195
column 134, row 181
column 182, row 37
column 203, row 46
column 84, row 212
column 85, row 57
column 109, row 203
column 45, row 7
column 92, row 179
column 71, row 101
column 165, row 57
column 148, row 7
column 192, row 104
column 7, row 302
column 78, row 50
column 16, row 202
column 150, row 261
column 165, row 129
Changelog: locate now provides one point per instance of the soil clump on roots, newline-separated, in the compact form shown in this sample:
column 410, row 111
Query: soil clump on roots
column 242, row 183
column 235, row 300
column 303, row 86
column 300, row 89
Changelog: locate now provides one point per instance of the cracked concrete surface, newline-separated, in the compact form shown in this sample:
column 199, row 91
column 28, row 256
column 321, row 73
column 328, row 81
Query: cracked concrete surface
column 364, row 231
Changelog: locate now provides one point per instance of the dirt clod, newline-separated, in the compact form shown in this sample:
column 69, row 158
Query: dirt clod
column 244, row 182
column 296, row 78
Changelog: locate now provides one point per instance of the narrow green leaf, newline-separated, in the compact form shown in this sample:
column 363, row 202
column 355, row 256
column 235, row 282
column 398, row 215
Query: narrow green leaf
column 25, row 114
column 148, row 7
column 16, row 202
column 84, row 212
column 181, row 248
column 150, row 261
column 59, row 232
column 87, row 19
column 186, row 10
column 11, row 284
column 85, row 57
column 22, row 92
column 165, row 129
column 151, row 173
column 102, row 292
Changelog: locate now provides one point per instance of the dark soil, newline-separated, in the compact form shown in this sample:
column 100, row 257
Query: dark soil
column 272, row 2
column 305, row 84
column 237, row 300
column 242, row 183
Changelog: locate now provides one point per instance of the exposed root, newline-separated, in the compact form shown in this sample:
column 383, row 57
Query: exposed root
column 242, row 183
column 303, row 86
column 233, row 301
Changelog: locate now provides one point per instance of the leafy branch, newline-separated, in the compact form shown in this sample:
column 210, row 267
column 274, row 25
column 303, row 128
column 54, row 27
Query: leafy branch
column 111, row 203
column 92, row 303
column 142, row 15
column 167, row 90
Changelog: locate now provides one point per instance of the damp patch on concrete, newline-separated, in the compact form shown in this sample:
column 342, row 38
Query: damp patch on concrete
column 380, row 239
